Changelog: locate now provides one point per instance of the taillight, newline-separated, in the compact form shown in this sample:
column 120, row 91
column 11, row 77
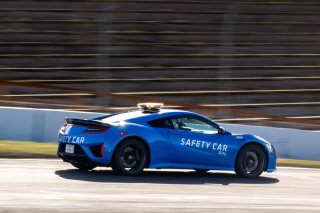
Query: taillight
column 63, row 128
column 95, row 129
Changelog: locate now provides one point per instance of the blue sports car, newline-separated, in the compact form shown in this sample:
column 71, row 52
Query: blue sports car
column 152, row 137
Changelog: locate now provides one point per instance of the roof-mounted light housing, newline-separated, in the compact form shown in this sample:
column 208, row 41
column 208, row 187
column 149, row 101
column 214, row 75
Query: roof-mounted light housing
column 150, row 107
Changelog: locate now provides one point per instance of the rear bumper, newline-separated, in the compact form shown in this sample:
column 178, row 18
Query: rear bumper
column 70, row 158
column 81, row 155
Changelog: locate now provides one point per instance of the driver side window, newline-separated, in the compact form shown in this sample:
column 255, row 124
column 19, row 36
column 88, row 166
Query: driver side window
column 193, row 124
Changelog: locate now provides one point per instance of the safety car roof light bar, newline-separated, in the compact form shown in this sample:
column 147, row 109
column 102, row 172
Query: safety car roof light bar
column 150, row 107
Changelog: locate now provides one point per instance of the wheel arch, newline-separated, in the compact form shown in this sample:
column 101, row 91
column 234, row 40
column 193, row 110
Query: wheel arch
column 138, row 139
column 254, row 143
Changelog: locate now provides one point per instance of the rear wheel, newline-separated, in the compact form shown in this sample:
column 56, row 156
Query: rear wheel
column 130, row 158
column 84, row 167
column 251, row 161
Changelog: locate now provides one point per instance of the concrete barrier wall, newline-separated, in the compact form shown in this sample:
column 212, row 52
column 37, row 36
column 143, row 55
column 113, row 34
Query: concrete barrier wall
column 41, row 125
column 24, row 124
column 289, row 143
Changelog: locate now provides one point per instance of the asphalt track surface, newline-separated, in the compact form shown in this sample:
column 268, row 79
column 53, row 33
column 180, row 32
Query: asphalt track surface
column 37, row 185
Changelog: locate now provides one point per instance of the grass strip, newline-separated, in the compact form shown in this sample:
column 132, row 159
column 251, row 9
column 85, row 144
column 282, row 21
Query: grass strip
column 28, row 149
column 298, row 163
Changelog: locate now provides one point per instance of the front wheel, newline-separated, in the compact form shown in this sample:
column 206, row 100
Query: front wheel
column 130, row 158
column 251, row 161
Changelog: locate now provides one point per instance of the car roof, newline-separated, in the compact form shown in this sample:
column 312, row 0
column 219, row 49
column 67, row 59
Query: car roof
column 139, row 116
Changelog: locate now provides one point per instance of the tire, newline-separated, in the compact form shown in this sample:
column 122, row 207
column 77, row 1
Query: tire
column 251, row 161
column 84, row 167
column 130, row 158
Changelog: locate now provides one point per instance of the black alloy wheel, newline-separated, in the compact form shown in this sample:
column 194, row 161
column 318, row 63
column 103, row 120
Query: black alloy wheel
column 251, row 161
column 130, row 158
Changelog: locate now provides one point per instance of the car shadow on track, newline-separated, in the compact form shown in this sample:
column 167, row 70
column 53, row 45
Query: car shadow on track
column 162, row 177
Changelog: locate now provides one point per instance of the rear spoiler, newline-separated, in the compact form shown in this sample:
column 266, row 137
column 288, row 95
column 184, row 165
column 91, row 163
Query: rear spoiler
column 85, row 122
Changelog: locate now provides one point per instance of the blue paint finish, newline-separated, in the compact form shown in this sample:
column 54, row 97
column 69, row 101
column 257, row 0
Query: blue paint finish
column 169, row 147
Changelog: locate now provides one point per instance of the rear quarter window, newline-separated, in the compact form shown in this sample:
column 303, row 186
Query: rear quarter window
column 161, row 123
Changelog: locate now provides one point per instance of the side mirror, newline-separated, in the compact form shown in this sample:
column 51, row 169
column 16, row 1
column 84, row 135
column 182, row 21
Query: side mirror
column 221, row 130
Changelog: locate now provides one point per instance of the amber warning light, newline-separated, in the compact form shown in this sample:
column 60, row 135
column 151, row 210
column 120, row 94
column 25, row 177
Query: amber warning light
column 150, row 107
